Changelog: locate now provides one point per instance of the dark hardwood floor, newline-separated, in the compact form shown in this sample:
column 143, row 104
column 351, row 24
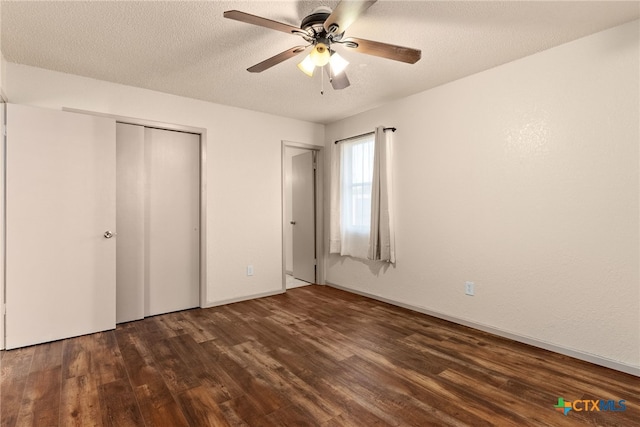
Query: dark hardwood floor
column 314, row 356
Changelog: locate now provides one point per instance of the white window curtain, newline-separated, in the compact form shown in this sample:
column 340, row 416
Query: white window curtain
column 361, row 223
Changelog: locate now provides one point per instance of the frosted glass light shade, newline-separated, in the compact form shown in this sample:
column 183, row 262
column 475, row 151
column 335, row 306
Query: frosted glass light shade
column 307, row 66
column 337, row 63
column 320, row 55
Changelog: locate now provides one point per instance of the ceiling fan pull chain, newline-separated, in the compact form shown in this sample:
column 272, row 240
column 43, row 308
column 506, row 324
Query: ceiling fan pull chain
column 322, row 83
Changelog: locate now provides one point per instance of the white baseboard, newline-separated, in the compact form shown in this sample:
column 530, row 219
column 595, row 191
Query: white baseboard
column 587, row 357
column 245, row 298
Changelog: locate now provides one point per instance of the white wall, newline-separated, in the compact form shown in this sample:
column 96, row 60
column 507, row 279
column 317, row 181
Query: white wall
column 244, row 224
column 524, row 180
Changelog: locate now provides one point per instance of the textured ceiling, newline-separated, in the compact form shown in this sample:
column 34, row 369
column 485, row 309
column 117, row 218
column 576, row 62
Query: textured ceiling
column 189, row 49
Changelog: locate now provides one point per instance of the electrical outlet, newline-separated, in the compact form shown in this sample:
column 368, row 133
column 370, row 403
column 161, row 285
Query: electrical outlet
column 249, row 270
column 469, row 288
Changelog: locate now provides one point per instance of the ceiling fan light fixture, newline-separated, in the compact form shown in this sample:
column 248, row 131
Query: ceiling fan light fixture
column 337, row 63
column 307, row 66
column 321, row 29
column 320, row 55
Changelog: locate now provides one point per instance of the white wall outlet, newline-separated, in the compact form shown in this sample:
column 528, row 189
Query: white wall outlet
column 249, row 270
column 469, row 288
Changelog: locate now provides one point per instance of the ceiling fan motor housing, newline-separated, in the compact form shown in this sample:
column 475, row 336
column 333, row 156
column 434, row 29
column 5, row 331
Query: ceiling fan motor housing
column 313, row 24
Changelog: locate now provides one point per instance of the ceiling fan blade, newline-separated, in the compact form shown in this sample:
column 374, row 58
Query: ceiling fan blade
column 345, row 13
column 275, row 60
column 383, row 50
column 262, row 22
column 338, row 82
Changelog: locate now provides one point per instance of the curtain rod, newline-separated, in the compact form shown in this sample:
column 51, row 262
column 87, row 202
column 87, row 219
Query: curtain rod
column 364, row 134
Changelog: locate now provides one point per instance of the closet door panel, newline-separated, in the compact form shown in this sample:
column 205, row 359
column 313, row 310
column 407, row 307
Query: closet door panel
column 173, row 220
column 130, row 217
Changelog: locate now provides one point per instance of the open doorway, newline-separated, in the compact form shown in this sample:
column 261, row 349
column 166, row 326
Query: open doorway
column 302, row 213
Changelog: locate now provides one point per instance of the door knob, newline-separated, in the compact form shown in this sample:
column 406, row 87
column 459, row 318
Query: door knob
column 292, row 222
column 108, row 234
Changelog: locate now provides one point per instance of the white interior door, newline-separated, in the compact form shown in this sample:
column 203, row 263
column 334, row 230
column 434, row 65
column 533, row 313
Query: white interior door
column 303, row 207
column 172, row 230
column 130, row 219
column 60, row 201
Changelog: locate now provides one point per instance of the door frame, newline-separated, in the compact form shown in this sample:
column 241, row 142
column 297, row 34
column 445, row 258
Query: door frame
column 319, row 209
column 203, row 180
column 3, row 206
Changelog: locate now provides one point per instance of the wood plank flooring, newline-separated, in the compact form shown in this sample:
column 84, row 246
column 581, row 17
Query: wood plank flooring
column 315, row 356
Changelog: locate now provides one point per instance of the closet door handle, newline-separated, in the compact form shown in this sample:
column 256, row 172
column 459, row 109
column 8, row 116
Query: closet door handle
column 108, row 234
column 292, row 222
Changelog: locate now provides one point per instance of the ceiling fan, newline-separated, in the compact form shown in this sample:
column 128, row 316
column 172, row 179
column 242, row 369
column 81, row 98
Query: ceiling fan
column 323, row 29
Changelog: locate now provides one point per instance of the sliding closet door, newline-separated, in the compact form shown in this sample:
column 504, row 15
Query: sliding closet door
column 158, row 217
column 173, row 221
column 130, row 218
column 60, row 220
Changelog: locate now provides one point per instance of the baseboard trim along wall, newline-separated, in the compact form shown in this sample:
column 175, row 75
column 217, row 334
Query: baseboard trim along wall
column 245, row 298
column 607, row 363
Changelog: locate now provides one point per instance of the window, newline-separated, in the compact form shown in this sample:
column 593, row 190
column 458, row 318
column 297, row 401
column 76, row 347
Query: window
column 356, row 171
column 361, row 209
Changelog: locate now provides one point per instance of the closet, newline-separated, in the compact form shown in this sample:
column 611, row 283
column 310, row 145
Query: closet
column 102, row 223
column 158, row 221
